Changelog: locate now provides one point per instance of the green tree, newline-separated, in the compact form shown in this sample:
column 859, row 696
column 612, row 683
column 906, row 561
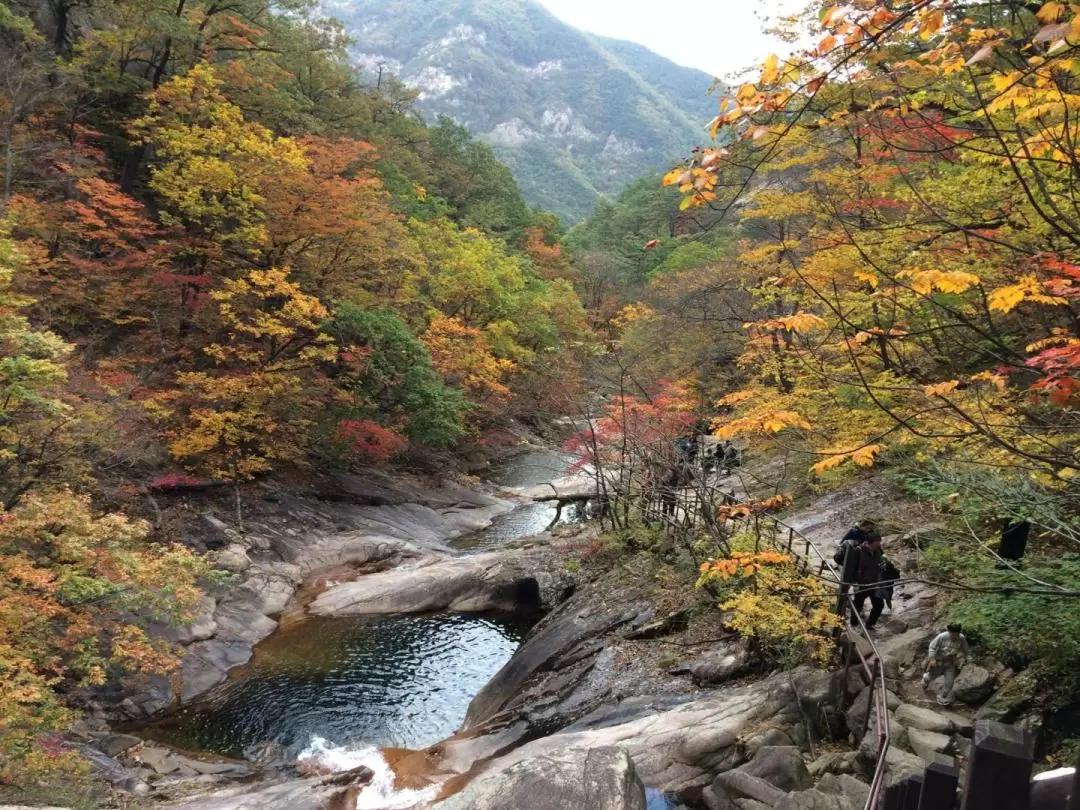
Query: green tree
column 393, row 380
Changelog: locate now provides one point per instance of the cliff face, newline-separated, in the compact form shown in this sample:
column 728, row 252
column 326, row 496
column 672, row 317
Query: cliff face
column 574, row 115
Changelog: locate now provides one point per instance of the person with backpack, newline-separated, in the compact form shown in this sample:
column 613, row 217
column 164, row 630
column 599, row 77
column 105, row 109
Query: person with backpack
column 858, row 533
column 867, row 573
column 889, row 575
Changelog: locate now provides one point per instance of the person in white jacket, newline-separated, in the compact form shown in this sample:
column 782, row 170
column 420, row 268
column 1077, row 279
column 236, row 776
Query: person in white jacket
column 949, row 652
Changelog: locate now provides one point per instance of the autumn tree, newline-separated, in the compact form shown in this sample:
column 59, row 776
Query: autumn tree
column 907, row 184
column 33, row 414
column 70, row 584
column 254, row 407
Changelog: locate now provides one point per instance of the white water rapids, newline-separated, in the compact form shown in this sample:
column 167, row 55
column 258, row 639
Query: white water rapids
column 380, row 794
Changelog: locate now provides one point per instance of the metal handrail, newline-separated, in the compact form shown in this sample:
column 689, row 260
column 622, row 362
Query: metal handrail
column 873, row 668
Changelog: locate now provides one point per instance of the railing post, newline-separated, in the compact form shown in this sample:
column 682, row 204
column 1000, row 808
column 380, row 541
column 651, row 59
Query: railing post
column 999, row 771
column 894, row 796
column 790, row 538
column 939, row 787
column 913, row 788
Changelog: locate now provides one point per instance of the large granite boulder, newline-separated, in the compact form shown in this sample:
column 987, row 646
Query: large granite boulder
column 679, row 747
column 596, row 778
column 498, row 580
column 781, row 766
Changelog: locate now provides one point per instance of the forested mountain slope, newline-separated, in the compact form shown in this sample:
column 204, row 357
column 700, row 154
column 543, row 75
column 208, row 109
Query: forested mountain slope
column 574, row 115
column 224, row 256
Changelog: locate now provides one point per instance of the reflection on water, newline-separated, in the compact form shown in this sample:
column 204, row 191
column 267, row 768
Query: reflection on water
column 402, row 681
column 526, row 469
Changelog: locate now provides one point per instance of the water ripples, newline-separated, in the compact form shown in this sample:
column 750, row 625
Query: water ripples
column 402, row 681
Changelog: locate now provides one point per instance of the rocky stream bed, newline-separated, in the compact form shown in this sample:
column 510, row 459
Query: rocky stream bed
column 378, row 647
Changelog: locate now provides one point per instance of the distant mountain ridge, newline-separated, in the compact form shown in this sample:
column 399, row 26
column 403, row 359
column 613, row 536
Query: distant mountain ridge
column 574, row 115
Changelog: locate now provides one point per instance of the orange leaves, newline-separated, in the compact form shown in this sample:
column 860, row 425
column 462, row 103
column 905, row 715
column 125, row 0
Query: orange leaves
column 770, row 422
column 463, row 356
column 70, row 583
column 925, row 282
column 743, row 510
column 1050, row 12
column 770, row 71
column 862, row 457
column 742, row 564
column 941, row 389
column 930, row 22
column 800, row 322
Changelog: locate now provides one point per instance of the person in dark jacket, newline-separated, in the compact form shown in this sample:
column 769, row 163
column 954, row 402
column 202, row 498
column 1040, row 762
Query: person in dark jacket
column 863, row 530
column 889, row 574
column 867, row 569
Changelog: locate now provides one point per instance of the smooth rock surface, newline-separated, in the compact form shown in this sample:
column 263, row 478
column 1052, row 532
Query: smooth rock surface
column 594, row 778
column 680, row 747
column 319, row 793
column 482, row 582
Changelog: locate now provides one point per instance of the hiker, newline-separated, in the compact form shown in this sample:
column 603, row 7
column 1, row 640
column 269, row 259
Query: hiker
column 949, row 652
column 867, row 569
column 889, row 574
column 863, row 530
column 729, row 457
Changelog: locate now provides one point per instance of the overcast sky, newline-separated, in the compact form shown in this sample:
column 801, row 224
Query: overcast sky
column 717, row 36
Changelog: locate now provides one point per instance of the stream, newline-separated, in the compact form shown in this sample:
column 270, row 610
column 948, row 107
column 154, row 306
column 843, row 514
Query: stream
column 338, row 689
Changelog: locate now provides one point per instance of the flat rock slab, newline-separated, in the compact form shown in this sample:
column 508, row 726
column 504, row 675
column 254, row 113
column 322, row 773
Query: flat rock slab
column 477, row 583
column 913, row 717
column 597, row 778
column 320, row 793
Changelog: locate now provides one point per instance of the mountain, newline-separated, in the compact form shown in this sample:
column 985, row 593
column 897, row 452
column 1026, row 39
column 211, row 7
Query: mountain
column 575, row 116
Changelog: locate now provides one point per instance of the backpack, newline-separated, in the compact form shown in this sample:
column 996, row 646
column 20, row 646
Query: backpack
column 842, row 549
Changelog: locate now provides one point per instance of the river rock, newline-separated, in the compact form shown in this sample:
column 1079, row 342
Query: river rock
column 849, row 787
column 332, row 792
column 112, row 745
column 717, row 666
column 556, row 655
column 814, row 800
column 832, row 762
column 766, row 737
column 730, row 787
column 973, row 685
column 595, row 778
column 916, row 717
column 233, row 557
column 927, row 743
column 779, row 765
column 477, row 583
